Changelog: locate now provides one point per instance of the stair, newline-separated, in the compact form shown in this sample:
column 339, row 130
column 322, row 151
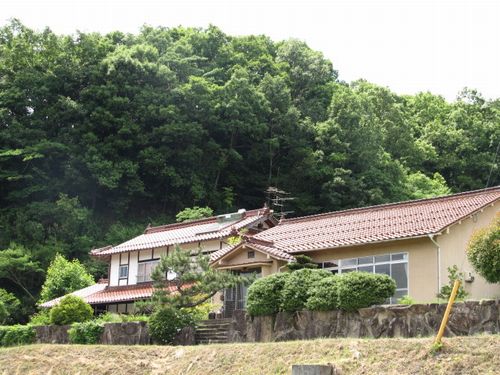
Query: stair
column 213, row 331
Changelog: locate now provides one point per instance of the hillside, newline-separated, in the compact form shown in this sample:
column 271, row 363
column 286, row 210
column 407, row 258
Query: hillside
column 461, row 355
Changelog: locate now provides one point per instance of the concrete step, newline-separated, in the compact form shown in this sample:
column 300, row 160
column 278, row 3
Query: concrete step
column 208, row 342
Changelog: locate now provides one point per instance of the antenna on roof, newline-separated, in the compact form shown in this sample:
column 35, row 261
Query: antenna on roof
column 277, row 199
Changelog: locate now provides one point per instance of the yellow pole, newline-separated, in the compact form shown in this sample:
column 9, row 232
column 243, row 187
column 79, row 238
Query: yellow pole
column 446, row 316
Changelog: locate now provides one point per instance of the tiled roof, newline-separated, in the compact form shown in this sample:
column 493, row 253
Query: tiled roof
column 377, row 223
column 256, row 244
column 114, row 294
column 188, row 232
column 103, row 294
column 84, row 293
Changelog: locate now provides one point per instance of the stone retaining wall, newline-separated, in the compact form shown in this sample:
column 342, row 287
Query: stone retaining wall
column 127, row 333
column 467, row 318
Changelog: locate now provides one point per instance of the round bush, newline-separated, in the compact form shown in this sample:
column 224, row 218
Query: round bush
column 264, row 295
column 323, row 295
column 71, row 309
column 166, row 322
column 361, row 289
column 297, row 286
column 484, row 252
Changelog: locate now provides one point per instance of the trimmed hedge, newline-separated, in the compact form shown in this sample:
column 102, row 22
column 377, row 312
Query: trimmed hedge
column 16, row 335
column 86, row 332
column 264, row 295
column 361, row 289
column 71, row 309
column 323, row 295
column 297, row 288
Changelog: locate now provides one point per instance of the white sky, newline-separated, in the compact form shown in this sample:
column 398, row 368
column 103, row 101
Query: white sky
column 408, row 45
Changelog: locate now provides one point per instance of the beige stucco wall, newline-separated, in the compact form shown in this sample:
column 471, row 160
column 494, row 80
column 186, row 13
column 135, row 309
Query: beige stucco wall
column 453, row 244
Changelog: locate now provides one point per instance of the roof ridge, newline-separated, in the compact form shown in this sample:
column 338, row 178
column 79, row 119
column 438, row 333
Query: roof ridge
column 385, row 205
column 164, row 227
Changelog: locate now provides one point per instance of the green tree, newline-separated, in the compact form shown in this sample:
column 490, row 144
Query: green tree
column 194, row 213
column 183, row 281
column 63, row 277
column 483, row 252
column 12, row 307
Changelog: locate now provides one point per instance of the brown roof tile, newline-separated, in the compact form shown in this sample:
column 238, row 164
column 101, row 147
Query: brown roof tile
column 377, row 223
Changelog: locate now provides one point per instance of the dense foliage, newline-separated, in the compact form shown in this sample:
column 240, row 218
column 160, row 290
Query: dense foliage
column 64, row 277
column 484, row 252
column 308, row 289
column 453, row 274
column 10, row 306
column 298, row 286
column 166, row 322
column 183, row 281
column 102, row 134
column 71, row 309
column 361, row 289
column 302, row 261
column 265, row 294
column 324, row 294
column 85, row 333
column 16, row 335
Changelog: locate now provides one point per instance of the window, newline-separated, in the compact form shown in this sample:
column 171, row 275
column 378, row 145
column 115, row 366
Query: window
column 145, row 269
column 251, row 254
column 124, row 271
column 393, row 265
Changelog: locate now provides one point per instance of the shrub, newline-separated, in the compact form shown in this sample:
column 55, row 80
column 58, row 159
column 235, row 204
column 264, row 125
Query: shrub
column 302, row 261
column 109, row 317
column 71, row 309
column 166, row 322
column 453, row 274
column 361, row 289
column 42, row 318
column 406, row 300
column 85, row 333
column 264, row 295
column 323, row 295
column 297, row 286
column 12, row 307
column 16, row 335
column 483, row 252
column 201, row 312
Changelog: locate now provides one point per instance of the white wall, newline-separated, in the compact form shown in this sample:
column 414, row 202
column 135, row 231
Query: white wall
column 113, row 270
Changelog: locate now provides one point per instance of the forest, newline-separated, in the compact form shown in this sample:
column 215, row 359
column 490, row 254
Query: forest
column 102, row 134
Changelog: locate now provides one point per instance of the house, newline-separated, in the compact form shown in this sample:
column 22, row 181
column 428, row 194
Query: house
column 131, row 263
column 414, row 242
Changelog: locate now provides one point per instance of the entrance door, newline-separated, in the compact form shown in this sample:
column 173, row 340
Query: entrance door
column 235, row 298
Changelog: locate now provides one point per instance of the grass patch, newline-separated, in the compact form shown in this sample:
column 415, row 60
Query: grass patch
column 464, row 355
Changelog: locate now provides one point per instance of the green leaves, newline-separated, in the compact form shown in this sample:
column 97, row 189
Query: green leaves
column 64, row 277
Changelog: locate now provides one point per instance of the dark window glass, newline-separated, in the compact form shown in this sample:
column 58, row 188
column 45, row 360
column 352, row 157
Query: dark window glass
column 400, row 274
column 123, row 272
column 382, row 258
column 383, row 269
column 251, row 254
column 399, row 256
column 365, row 260
column 330, row 264
column 366, row 269
column 349, row 262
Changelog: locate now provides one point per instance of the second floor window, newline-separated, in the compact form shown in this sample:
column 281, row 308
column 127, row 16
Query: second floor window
column 123, row 272
column 145, row 269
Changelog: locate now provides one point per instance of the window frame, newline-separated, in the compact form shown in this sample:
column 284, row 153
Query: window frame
column 120, row 268
column 144, row 263
column 353, row 264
